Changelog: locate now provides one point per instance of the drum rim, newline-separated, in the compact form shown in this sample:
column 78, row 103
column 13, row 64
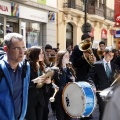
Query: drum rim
column 64, row 105
column 95, row 101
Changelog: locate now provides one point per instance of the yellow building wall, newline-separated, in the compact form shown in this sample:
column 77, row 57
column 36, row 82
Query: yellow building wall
column 77, row 21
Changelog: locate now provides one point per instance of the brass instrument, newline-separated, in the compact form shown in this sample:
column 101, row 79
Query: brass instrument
column 86, row 46
column 46, row 75
column 49, row 73
column 100, row 53
column 52, row 59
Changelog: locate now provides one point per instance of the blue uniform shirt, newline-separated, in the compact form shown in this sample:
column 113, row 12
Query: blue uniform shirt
column 17, row 88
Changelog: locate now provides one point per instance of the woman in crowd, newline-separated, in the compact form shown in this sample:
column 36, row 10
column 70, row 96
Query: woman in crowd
column 61, row 78
column 36, row 101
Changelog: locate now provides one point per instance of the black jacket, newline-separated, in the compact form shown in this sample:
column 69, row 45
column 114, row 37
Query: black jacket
column 98, row 77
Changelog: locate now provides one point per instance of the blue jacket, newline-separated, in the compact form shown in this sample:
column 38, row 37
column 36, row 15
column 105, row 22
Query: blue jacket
column 6, row 100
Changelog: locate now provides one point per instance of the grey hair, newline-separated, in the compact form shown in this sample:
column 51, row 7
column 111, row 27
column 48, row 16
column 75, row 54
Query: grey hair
column 9, row 36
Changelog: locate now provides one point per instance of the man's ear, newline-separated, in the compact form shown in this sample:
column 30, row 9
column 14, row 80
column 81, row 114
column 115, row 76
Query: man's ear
column 5, row 48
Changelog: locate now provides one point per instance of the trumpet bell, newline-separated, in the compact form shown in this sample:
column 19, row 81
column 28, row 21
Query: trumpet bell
column 85, row 45
column 100, row 52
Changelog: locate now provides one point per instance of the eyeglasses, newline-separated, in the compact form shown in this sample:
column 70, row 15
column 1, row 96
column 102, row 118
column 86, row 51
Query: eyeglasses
column 19, row 48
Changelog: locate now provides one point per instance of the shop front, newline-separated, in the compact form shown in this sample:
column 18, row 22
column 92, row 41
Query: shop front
column 117, row 39
column 31, row 22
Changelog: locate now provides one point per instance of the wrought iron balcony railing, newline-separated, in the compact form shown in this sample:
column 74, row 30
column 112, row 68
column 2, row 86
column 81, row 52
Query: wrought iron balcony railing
column 109, row 13
column 73, row 5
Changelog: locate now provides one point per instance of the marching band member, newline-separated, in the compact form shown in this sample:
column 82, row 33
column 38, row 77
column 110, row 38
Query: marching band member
column 36, row 101
column 61, row 78
column 102, row 75
column 81, row 64
column 79, row 60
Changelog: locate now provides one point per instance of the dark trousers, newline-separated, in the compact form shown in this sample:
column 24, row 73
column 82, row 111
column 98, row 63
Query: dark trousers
column 34, row 112
column 60, row 112
column 46, row 109
column 101, row 104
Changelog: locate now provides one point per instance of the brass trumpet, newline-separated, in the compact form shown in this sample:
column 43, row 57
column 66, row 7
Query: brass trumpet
column 86, row 46
column 46, row 75
column 100, row 53
column 49, row 73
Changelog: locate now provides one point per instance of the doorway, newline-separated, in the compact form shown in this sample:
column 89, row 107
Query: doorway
column 69, row 35
column 12, row 25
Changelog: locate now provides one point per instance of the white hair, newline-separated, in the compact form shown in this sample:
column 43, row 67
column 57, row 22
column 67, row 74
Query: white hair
column 9, row 36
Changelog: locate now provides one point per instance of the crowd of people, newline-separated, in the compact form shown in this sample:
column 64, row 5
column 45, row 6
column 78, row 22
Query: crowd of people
column 25, row 88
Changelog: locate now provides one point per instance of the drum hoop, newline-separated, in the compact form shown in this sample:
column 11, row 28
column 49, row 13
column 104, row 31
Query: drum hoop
column 63, row 101
column 95, row 100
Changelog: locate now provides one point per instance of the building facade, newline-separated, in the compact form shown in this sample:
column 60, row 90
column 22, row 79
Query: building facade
column 70, row 21
column 117, row 24
column 34, row 19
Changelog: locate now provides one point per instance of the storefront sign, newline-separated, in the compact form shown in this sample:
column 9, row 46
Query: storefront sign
column 5, row 8
column 104, row 33
column 51, row 16
column 42, row 2
column 117, row 35
column 33, row 14
column 15, row 9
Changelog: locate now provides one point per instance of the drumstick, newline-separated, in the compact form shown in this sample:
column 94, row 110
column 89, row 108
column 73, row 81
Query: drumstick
column 115, row 81
column 98, row 91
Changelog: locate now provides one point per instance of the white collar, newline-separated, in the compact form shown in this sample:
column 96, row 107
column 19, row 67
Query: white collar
column 105, row 61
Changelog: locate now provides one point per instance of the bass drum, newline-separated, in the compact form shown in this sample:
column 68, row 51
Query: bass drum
column 78, row 99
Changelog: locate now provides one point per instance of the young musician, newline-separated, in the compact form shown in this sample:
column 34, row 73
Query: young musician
column 36, row 101
column 102, row 75
column 61, row 78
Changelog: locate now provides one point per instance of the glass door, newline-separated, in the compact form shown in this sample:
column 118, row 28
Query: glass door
column 12, row 25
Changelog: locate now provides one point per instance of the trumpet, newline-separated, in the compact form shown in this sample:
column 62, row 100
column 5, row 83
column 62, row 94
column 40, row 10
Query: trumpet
column 46, row 75
column 49, row 73
column 86, row 46
column 52, row 99
column 52, row 59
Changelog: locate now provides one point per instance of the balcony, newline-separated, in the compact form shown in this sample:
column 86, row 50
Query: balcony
column 73, row 8
column 109, row 14
column 96, row 12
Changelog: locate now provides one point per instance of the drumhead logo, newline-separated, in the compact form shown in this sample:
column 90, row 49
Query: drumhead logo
column 3, row 8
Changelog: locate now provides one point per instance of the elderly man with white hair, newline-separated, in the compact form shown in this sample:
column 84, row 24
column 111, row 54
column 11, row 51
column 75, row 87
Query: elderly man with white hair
column 14, row 79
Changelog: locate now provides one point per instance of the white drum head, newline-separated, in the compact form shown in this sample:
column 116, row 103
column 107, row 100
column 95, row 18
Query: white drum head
column 72, row 98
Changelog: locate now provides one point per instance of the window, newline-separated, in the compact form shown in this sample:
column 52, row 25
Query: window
column 1, row 31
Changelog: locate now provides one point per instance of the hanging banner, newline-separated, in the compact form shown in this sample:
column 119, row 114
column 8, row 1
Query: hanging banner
column 117, row 18
column 14, row 9
column 104, row 33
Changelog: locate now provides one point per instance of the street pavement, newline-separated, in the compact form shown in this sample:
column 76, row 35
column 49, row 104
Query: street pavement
column 95, row 114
